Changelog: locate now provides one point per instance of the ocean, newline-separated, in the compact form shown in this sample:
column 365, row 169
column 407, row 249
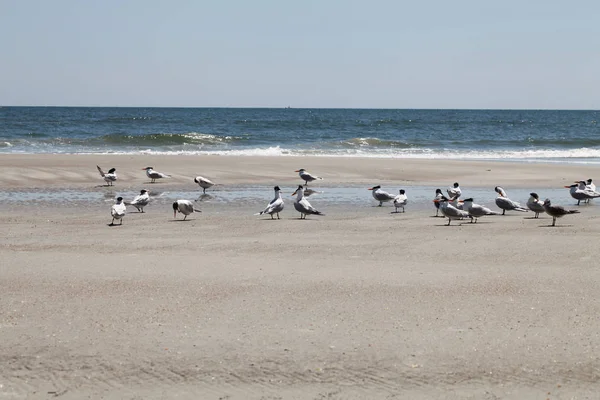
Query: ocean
column 517, row 135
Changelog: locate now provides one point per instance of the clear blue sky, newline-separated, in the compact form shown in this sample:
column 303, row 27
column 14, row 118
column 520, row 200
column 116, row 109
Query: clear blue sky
column 310, row 53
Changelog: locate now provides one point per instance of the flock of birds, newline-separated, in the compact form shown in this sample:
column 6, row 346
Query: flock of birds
column 451, row 206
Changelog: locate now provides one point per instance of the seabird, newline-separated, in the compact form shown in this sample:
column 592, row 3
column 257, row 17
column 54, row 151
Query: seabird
column 185, row 207
column 203, row 183
column 556, row 211
column 535, row 204
column 307, row 177
column 504, row 203
column 154, row 175
column 438, row 196
column 141, row 200
column 450, row 211
column 302, row 205
column 476, row 210
column 275, row 206
column 401, row 200
column 118, row 211
column 454, row 192
column 109, row 177
column 381, row 195
column 579, row 192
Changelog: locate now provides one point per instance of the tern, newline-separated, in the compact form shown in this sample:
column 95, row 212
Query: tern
column 590, row 185
column 275, row 206
column 381, row 195
column 306, row 176
column 141, row 200
column 475, row 210
column 556, row 211
column 401, row 200
column 118, row 211
column 109, row 177
column 504, row 203
column 535, row 204
column 154, row 175
column 302, row 205
column 438, row 196
column 203, row 183
column 579, row 192
column 449, row 211
column 185, row 207
column 454, row 192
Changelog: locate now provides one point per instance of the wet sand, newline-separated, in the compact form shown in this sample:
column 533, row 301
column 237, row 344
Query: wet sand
column 360, row 303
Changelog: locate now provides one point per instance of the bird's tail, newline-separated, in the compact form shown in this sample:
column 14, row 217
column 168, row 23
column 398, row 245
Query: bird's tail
column 260, row 213
column 521, row 209
column 573, row 211
column 197, row 210
column 494, row 213
column 319, row 213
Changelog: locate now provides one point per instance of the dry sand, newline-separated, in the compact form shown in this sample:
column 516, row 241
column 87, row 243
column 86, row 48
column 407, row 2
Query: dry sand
column 359, row 304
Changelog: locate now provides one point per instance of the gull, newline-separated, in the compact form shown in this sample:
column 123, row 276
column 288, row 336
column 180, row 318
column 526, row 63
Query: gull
column 302, row 205
column 504, row 203
column 275, row 206
column 556, row 211
column 185, row 207
column 454, row 192
column 401, row 200
column 535, row 204
column 438, row 196
column 449, row 211
column 154, row 175
column 307, row 177
column 141, row 200
column 118, row 211
column 109, row 177
column 381, row 195
column 203, row 183
column 475, row 210
column 579, row 192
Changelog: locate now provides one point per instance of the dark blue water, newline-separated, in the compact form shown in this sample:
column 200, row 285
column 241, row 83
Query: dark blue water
column 572, row 136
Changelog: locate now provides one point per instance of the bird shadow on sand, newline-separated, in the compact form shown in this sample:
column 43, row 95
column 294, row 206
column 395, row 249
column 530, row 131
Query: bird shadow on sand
column 205, row 197
column 111, row 224
column 556, row 226
column 533, row 218
column 181, row 220
column 104, row 186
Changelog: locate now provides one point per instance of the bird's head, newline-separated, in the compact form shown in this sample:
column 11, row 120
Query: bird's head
column 147, row 168
column 402, row 191
column 534, row 195
column 301, row 170
column 300, row 188
column 112, row 170
column 375, row 187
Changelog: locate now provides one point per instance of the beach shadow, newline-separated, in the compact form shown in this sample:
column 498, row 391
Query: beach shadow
column 111, row 224
column 556, row 226
column 205, row 197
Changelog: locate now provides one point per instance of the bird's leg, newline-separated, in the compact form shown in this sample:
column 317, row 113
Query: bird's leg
column 553, row 221
column 112, row 222
column 577, row 203
column 184, row 217
column 203, row 190
column 271, row 216
column 380, row 203
column 503, row 212
column 121, row 221
column 449, row 221
column 278, row 216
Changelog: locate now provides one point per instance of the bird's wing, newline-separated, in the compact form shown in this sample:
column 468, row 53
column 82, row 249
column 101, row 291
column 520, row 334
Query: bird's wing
column 100, row 170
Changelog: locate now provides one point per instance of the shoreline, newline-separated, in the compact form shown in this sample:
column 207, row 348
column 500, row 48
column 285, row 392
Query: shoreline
column 79, row 170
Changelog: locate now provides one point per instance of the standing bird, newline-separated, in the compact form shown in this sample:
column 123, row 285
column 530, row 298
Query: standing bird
column 449, row 211
column 203, row 183
column 438, row 196
column 302, row 205
column 506, row 204
column 454, row 192
column 590, row 185
column 556, row 211
column 535, row 204
column 118, row 211
column 185, row 207
column 475, row 210
column 109, row 177
column 154, row 175
column 307, row 177
column 381, row 195
column 401, row 200
column 141, row 200
column 275, row 206
column 579, row 192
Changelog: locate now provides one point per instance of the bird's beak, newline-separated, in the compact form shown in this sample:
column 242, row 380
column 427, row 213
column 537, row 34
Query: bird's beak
column 567, row 187
column 143, row 169
column 174, row 214
column 297, row 171
column 436, row 201
column 370, row 189
column 461, row 201
column 293, row 194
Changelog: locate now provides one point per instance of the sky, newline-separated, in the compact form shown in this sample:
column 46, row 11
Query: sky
column 525, row 54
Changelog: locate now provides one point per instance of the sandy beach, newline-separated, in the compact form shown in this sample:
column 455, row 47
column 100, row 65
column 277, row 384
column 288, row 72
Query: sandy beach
column 357, row 304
